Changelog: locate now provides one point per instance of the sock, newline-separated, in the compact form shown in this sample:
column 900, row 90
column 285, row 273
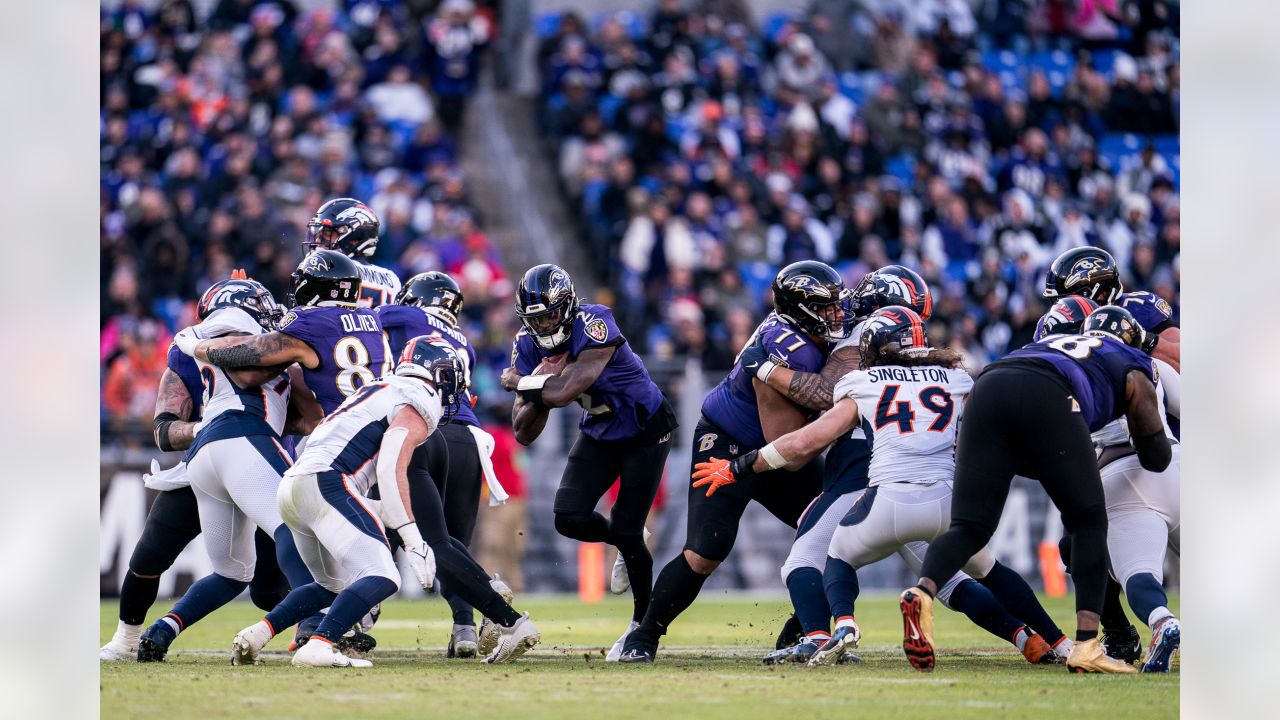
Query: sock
column 1020, row 600
column 1113, row 617
column 291, row 563
column 458, row 570
column 840, row 581
column 845, row 621
column 674, row 591
column 352, row 604
column 804, row 585
column 207, row 594
column 463, row 613
column 127, row 633
column 1158, row 616
column 981, row 606
column 640, row 569
column 299, row 604
column 1020, row 639
column 818, row 636
column 1146, row 596
column 137, row 595
column 1084, row 635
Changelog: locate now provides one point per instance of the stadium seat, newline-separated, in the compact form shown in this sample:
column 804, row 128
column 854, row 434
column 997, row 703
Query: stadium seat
column 902, row 167
column 546, row 24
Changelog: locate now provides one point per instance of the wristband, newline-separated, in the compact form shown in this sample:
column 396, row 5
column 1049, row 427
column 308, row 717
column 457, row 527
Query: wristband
column 765, row 370
column 530, row 388
column 772, row 457
column 161, row 425
column 741, row 465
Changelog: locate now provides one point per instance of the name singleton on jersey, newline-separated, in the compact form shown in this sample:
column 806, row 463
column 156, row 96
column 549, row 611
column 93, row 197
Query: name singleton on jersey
column 902, row 374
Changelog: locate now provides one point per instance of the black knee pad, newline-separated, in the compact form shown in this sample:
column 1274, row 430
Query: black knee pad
column 1090, row 518
column 266, row 598
column 713, row 541
column 572, row 525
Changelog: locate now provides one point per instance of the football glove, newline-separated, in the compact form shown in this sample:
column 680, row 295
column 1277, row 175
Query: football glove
column 717, row 473
column 423, row 562
column 1149, row 341
column 186, row 341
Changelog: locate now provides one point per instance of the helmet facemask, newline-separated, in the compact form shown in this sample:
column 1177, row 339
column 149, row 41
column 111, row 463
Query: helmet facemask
column 549, row 326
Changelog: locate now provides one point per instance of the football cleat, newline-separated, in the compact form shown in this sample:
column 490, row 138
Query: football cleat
column 620, row 581
column 799, row 653
column 354, row 641
column 1165, row 640
column 490, row 631
column 1122, row 643
column 462, row 642
column 1088, row 656
column 615, row 652
column 792, row 632
column 917, row 628
column 833, row 651
column 123, row 646
column 1037, row 651
column 357, row 642
column 319, row 652
column 247, row 645
column 154, row 644
column 515, row 641
column 1059, row 652
column 644, row 657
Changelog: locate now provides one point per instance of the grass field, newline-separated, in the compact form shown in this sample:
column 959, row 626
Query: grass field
column 709, row 668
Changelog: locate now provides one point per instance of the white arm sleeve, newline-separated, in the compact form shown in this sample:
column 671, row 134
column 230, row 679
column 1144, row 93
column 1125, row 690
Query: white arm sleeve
column 1171, row 382
column 392, row 509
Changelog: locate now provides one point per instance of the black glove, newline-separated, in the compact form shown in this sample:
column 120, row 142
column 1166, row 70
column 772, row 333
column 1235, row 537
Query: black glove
column 1149, row 341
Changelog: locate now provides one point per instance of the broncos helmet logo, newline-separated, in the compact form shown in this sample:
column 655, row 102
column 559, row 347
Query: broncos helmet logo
column 807, row 285
column 359, row 213
column 1082, row 271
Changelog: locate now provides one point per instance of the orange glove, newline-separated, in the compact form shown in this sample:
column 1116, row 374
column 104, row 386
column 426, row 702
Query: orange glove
column 239, row 274
column 716, row 473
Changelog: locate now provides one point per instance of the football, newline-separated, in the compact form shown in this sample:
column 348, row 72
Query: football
column 551, row 365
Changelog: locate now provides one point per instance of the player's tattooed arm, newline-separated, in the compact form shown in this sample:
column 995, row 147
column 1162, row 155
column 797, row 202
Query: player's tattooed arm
column 800, row 446
column 1146, row 426
column 273, row 348
column 173, row 400
column 305, row 412
column 577, row 376
column 528, row 420
column 1169, row 349
column 815, row 390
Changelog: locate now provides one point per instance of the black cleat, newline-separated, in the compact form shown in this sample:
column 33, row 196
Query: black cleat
column 792, row 633
column 153, row 645
column 463, row 642
column 1122, row 643
column 357, row 643
column 636, row 656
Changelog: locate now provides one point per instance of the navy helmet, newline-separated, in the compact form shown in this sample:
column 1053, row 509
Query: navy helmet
column 248, row 295
column 1065, row 317
column 343, row 224
column 547, row 305
column 434, row 292
column 326, row 277
column 896, row 328
column 1114, row 321
column 811, row 296
column 1087, row 271
column 889, row 286
column 433, row 359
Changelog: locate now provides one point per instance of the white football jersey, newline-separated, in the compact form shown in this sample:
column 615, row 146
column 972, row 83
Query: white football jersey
column 348, row 440
column 855, row 338
column 913, row 413
column 378, row 285
column 221, row 394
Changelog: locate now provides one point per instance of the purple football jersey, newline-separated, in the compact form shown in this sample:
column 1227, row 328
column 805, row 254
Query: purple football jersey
column 619, row 404
column 731, row 405
column 350, row 346
column 1095, row 367
column 1150, row 310
column 402, row 322
column 185, row 368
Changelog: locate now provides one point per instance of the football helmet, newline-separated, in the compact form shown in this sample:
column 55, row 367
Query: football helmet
column 811, row 296
column 248, row 295
column 435, row 360
column 1065, row 317
column 343, row 224
column 1087, row 271
column 326, row 277
column 434, row 292
column 892, row 328
column 892, row 285
column 547, row 305
column 1114, row 321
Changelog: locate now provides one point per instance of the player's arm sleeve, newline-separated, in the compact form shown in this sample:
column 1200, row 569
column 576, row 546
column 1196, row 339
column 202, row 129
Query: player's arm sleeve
column 1171, row 383
column 408, row 430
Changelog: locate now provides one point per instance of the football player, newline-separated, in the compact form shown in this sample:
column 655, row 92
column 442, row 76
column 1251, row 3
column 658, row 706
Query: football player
column 174, row 520
column 371, row 436
column 430, row 304
column 812, row 310
column 845, row 479
column 570, row 352
column 351, row 228
column 234, row 464
column 338, row 345
column 1031, row 413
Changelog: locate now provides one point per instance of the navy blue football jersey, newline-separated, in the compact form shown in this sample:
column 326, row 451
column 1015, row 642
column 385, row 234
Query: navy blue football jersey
column 400, row 323
column 731, row 405
column 619, row 404
column 184, row 366
column 1095, row 367
column 350, row 346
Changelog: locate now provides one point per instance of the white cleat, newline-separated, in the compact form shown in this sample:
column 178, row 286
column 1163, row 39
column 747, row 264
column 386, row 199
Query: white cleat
column 321, row 653
column 248, row 643
column 490, row 631
column 620, row 580
column 119, row 650
column 515, row 641
column 615, row 652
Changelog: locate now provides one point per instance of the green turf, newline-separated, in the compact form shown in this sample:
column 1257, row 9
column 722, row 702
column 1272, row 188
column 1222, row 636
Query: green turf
column 710, row 668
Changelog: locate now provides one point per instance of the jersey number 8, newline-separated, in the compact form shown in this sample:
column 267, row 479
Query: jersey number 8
column 1077, row 347
column 352, row 358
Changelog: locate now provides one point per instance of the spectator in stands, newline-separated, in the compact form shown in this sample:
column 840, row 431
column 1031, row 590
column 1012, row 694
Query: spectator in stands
column 457, row 37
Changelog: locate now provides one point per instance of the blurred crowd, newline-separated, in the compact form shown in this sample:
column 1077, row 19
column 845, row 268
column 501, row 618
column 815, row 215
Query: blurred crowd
column 221, row 135
column 972, row 140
